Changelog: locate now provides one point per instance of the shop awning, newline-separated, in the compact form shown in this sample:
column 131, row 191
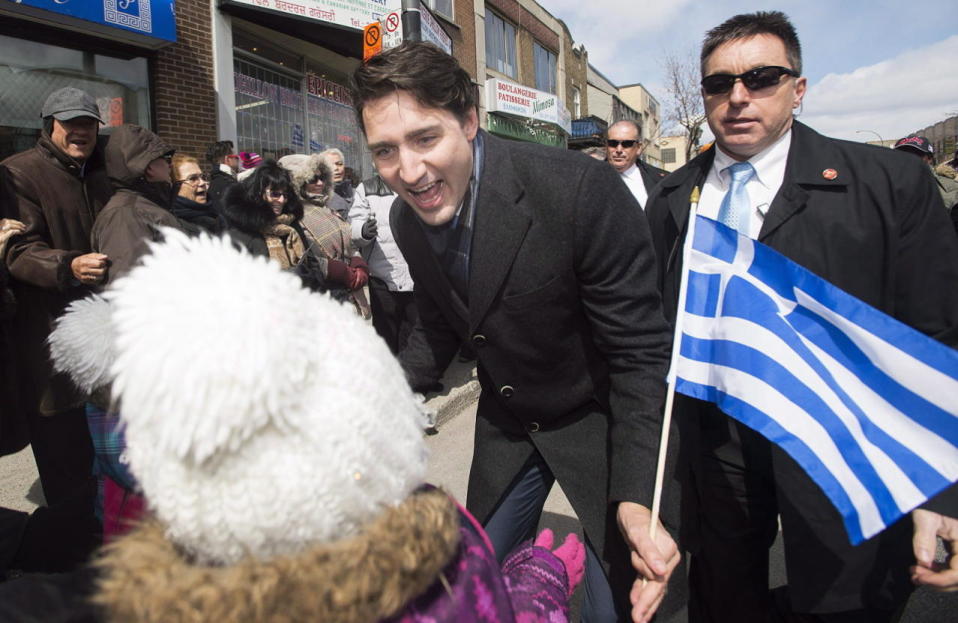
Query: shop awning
column 145, row 23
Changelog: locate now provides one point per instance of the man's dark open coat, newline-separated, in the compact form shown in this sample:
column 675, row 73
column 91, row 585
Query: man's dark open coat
column 870, row 221
column 566, row 322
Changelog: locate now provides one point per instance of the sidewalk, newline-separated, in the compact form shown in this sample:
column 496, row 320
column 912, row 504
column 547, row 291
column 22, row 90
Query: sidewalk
column 460, row 390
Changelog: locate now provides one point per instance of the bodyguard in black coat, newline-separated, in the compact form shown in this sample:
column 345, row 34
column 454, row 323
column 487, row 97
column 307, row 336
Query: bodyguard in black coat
column 650, row 175
column 556, row 293
column 863, row 218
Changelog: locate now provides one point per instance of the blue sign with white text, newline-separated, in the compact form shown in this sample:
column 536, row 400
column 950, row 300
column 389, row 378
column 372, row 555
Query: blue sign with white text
column 152, row 18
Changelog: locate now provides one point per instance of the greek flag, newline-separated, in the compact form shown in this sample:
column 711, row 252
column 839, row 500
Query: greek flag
column 865, row 404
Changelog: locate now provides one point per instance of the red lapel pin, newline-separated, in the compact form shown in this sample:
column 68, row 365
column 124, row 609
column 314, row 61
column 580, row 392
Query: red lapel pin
column 829, row 174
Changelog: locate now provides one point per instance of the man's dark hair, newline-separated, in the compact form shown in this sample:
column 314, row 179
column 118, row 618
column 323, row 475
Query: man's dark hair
column 218, row 150
column 749, row 25
column 430, row 75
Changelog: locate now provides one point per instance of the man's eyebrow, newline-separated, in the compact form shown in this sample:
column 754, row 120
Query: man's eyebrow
column 410, row 136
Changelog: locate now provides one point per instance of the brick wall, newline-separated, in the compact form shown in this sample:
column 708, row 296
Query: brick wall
column 463, row 35
column 184, row 96
column 576, row 75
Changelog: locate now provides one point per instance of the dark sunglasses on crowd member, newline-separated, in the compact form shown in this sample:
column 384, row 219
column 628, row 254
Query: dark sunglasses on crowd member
column 316, row 179
column 629, row 144
column 753, row 79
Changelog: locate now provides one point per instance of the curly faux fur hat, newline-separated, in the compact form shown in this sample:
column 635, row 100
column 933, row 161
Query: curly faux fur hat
column 260, row 418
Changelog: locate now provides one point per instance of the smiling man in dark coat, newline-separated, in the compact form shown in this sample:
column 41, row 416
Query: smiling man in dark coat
column 541, row 258
column 866, row 219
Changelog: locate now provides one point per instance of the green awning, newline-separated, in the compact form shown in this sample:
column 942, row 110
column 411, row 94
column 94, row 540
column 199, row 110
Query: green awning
column 539, row 132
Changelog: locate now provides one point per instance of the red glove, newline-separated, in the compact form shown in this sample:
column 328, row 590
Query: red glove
column 571, row 553
column 360, row 272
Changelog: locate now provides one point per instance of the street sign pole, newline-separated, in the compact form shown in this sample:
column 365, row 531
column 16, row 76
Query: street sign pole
column 411, row 21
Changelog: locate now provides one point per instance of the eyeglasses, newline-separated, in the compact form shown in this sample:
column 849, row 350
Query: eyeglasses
column 315, row 180
column 275, row 194
column 753, row 79
column 629, row 144
column 196, row 178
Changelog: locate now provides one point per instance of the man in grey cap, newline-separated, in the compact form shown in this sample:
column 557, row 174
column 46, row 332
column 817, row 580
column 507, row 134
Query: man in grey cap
column 56, row 189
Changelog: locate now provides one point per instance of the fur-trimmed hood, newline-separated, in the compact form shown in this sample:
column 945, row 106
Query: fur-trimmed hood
column 130, row 149
column 303, row 168
column 244, row 214
column 364, row 578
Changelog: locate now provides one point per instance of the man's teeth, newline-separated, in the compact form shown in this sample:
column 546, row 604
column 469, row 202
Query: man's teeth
column 422, row 190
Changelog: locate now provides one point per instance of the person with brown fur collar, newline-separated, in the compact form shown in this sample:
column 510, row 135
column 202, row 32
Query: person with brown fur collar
column 279, row 491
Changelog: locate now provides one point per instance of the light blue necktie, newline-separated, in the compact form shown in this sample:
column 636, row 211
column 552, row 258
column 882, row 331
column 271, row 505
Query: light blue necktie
column 736, row 207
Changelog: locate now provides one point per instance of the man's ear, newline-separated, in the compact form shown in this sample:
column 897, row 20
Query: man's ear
column 470, row 125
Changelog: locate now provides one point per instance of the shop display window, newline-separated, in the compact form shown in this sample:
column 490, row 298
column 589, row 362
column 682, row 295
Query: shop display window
column 30, row 71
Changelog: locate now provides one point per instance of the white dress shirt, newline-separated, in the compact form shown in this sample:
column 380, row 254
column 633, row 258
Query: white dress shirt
column 769, row 167
column 633, row 179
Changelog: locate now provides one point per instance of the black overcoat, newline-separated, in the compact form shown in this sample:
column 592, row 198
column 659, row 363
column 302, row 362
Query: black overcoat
column 566, row 321
column 871, row 222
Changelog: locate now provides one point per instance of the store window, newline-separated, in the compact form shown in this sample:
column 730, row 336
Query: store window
column 442, row 7
column 30, row 71
column 500, row 45
column 281, row 111
column 545, row 68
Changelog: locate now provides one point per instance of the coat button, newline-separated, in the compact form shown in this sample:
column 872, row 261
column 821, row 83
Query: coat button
column 478, row 340
column 533, row 427
column 506, row 391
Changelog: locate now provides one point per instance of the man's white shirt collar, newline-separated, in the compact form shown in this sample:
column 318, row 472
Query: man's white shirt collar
column 633, row 179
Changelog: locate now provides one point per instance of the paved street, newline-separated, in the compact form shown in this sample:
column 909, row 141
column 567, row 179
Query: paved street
column 450, row 455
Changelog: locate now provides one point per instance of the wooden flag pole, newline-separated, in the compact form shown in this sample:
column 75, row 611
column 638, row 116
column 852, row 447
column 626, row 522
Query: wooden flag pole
column 676, row 345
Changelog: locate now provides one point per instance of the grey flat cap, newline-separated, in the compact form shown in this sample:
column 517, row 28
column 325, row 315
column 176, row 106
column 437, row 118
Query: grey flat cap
column 69, row 103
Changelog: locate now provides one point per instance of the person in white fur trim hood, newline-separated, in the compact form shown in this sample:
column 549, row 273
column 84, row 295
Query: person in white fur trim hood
column 278, row 488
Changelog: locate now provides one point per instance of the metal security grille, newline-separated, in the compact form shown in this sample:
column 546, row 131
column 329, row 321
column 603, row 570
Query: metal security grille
column 270, row 116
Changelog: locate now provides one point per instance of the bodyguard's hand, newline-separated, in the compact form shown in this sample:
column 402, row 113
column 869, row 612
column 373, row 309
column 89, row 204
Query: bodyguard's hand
column 370, row 229
column 654, row 561
column 928, row 526
column 89, row 268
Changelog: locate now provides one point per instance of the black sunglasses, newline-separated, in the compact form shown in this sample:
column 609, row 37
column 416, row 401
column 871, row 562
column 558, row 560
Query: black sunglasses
column 629, row 144
column 753, row 79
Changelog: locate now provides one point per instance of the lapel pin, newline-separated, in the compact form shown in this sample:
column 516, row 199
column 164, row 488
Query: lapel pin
column 829, row 174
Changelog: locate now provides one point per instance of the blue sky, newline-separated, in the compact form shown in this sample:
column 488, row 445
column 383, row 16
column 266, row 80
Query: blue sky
column 885, row 66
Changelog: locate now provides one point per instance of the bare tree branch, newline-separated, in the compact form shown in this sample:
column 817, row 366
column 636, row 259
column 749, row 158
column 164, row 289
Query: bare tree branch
column 684, row 106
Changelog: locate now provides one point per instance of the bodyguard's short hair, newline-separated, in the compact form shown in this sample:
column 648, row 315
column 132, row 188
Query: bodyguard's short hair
column 218, row 150
column 634, row 124
column 427, row 73
column 749, row 25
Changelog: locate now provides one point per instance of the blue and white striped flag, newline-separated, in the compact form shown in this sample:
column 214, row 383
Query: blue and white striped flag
column 865, row 404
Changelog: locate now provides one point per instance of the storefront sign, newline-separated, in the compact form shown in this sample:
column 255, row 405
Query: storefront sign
column 151, row 18
column 515, row 99
column 509, row 127
column 266, row 92
column 350, row 13
column 432, row 31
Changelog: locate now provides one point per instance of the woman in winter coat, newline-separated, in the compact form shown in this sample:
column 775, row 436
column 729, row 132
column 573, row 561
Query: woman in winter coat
column 264, row 215
column 191, row 203
column 138, row 164
column 286, row 490
column 346, row 271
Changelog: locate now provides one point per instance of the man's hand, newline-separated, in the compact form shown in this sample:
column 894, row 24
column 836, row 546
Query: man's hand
column 928, row 526
column 89, row 268
column 654, row 561
column 8, row 229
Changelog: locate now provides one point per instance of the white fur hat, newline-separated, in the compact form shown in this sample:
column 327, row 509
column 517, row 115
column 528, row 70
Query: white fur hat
column 260, row 418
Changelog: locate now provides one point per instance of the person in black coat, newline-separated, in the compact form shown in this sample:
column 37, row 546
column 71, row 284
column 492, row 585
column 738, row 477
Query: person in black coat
column 540, row 258
column 864, row 218
column 191, row 201
column 623, row 147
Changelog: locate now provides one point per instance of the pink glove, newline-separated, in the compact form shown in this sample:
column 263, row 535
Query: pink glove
column 571, row 553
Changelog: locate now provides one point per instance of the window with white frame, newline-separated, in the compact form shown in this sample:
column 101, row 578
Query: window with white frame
column 576, row 103
column 500, row 45
column 668, row 155
column 442, row 7
column 545, row 69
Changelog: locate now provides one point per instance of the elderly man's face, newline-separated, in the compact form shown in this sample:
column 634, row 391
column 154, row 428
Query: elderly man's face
column 746, row 122
column 423, row 153
column 76, row 137
column 620, row 156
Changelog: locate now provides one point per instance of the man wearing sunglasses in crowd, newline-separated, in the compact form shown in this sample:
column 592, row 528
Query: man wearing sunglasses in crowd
column 866, row 219
column 624, row 146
